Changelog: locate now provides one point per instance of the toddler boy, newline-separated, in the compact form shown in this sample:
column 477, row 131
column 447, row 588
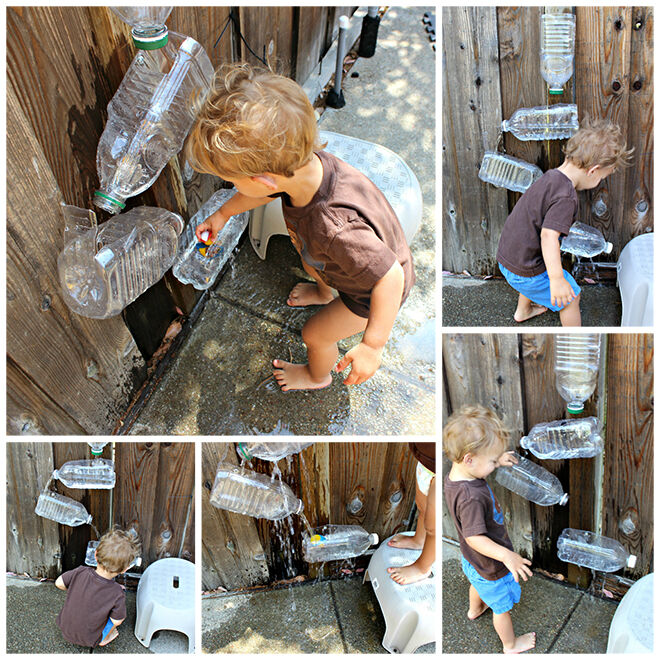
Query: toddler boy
column 95, row 603
column 475, row 441
column 528, row 253
column 258, row 131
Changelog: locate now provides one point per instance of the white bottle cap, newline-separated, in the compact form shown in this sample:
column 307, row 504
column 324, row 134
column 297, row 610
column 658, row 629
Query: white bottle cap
column 373, row 538
column 564, row 499
column 608, row 248
column 205, row 235
column 632, row 560
column 524, row 441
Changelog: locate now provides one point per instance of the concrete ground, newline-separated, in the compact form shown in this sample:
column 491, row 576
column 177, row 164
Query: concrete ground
column 336, row 616
column 474, row 302
column 33, row 606
column 565, row 619
column 221, row 383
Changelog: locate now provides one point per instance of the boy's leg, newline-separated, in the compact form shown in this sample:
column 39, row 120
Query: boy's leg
column 310, row 293
column 570, row 315
column 477, row 606
column 512, row 644
column 526, row 309
column 320, row 334
column 417, row 541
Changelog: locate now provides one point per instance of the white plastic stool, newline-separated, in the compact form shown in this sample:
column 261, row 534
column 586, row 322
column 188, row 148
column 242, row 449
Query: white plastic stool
column 166, row 600
column 387, row 170
column 408, row 610
column 634, row 274
column 631, row 630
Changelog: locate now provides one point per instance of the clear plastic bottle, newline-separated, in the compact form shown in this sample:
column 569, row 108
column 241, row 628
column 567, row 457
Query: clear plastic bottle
column 150, row 116
column 585, row 241
column 591, row 550
column 508, row 172
column 332, row 542
column 577, row 358
column 270, row 451
column 97, row 447
column 565, row 438
column 102, row 269
column 557, row 50
column 201, row 270
column 97, row 473
column 90, row 556
column 253, row 494
column 554, row 122
column 62, row 509
column 532, row 482
column 147, row 22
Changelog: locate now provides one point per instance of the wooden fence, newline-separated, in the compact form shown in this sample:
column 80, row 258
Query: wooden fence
column 67, row 374
column 491, row 67
column 363, row 483
column 153, row 495
column 513, row 375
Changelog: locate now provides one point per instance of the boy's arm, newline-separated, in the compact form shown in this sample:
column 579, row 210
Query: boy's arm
column 238, row 203
column 561, row 292
column 512, row 560
column 59, row 583
column 385, row 302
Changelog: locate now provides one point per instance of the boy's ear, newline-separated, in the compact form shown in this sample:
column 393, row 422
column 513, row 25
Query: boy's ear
column 467, row 459
column 593, row 170
column 265, row 180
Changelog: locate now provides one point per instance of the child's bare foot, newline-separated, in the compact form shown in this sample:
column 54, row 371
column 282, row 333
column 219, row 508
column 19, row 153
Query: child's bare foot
column 407, row 574
column 113, row 635
column 530, row 312
column 308, row 293
column 522, row 643
column 405, row 541
column 296, row 377
column 478, row 612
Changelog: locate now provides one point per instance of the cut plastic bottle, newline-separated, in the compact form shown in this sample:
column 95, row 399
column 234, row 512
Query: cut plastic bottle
column 554, row 122
column 150, row 115
column 104, row 268
column 97, row 473
column 508, row 172
column 565, row 438
column 270, row 451
column 577, row 358
column 585, row 241
column 557, row 50
column 253, row 494
column 591, row 550
column 62, row 509
column 532, row 482
column 332, row 542
column 191, row 266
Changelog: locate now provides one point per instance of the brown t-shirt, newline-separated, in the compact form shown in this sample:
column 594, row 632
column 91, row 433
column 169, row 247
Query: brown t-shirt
column 424, row 452
column 473, row 506
column 550, row 202
column 90, row 601
column 349, row 234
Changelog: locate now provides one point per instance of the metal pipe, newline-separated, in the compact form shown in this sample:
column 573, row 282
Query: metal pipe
column 335, row 97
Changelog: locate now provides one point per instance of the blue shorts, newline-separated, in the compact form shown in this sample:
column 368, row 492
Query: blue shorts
column 500, row 595
column 537, row 288
column 107, row 629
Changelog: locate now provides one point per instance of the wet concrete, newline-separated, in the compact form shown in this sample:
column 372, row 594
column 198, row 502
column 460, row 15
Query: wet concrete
column 565, row 619
column 221, row 383
column 470, row 301
column 340, row 616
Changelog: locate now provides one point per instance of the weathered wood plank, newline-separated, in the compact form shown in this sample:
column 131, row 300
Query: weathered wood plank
column 473, row 212
column 33, row 542
column 312, row 26
column 397, row 489
column 628, row 469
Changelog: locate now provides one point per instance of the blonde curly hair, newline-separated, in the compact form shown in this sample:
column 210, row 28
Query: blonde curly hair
column 117, row 549
column 598, row 142
column 472, row 430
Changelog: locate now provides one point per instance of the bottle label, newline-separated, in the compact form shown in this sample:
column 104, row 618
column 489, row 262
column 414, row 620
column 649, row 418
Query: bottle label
column 317, row 539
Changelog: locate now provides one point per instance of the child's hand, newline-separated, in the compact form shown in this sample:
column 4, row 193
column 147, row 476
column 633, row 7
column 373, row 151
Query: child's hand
column 561, row 292
column 213, row 224
column 517, row 565
column 507, row 458
column 365, row 361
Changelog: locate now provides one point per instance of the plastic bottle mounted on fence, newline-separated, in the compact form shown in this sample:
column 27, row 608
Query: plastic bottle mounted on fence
column 532, row 482
column 565, row 438
column 332, row 542
column 253, row 494
column 151, row 113
column 97, row 473
column 557, row 50
column 585, row 241
column 201, row 268
column 554, row 122
column 97, row 447
column 591, row 550
column 61, row 509
column 270, row 451
column 104, row 268
column 577, row 358
column 508, row 172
